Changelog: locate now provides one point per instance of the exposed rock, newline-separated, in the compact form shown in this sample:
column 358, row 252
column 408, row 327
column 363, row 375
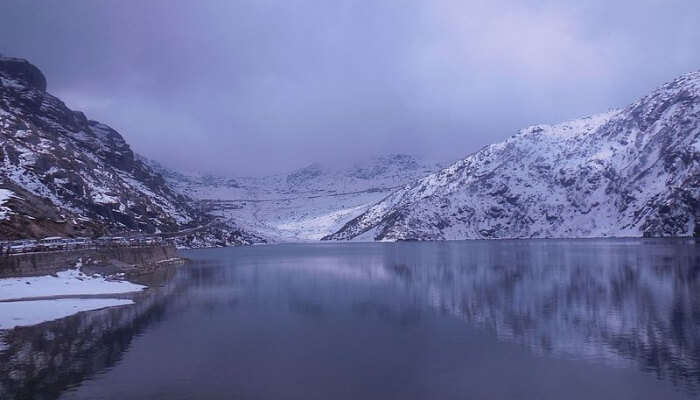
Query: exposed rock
column 24, row 72
column 628, row 172
column 71, row 176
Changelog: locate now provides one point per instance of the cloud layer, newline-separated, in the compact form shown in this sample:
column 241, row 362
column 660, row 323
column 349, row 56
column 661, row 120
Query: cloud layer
column 261, row 86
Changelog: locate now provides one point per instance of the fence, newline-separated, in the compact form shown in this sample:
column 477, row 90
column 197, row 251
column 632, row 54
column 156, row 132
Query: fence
column 58, row 244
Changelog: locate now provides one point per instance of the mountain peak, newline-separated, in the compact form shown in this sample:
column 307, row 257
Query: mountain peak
column 689, row 78
column 628, row 172
column 22, row 72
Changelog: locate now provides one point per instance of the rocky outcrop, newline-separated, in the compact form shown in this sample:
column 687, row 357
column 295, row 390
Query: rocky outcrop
column 83, row 171
column 628, row 172
column 106, row 261
column 63, row 174
column 23, row 72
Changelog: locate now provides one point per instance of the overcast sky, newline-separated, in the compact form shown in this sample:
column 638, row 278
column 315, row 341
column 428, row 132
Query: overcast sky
column 262, row 86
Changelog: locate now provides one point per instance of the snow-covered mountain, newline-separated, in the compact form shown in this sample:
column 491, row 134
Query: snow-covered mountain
column 628, row 172
column 62, row 174
column 305, row 204
column 67, row 174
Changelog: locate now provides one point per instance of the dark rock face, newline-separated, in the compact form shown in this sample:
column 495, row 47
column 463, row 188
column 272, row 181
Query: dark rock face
column 383, row 164
column 629, row 172
column 24, row 72
column 104, row 261
column 305, row 174
column 70, row 175
column 63, row 174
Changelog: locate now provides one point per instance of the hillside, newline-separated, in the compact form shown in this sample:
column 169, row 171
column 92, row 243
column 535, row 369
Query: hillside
column 628, row 172
column 302, row 205
column 63, row 174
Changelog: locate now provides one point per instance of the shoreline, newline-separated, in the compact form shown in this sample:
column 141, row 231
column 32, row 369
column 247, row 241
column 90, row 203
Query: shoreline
column 105, row 261
column 46, row 290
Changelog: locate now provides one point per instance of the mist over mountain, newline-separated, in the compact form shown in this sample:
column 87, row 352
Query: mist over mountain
column 312, row 199
column 628, row 172
column 304, row 204
column 64, row 174
column 215, row 86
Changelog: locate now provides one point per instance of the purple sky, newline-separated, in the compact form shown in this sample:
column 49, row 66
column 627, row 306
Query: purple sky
column 263, row 86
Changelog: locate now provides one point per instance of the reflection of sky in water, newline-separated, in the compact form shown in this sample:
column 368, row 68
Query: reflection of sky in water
column 400, row 311
column 613, row 301
column 604, row 300
column 621, row 302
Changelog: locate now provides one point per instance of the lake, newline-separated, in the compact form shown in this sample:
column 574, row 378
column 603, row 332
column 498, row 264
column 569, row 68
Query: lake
column 521, row 319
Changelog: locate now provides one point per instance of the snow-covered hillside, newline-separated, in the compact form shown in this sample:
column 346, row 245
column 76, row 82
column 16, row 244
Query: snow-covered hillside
column 305, row 204
column 629, row 172
column 62, row 174
column 68, row 174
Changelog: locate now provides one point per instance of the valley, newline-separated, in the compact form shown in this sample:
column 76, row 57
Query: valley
column 305, row 204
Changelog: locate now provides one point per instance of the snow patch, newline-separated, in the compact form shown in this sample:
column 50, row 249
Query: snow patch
column 66, row 283
column 5, row 195
column 24, row 313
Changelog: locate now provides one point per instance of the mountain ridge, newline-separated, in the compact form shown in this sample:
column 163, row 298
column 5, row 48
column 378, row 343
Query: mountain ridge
column 633, row 171
column 64, row 174
column 304, row 204
column 592, row 177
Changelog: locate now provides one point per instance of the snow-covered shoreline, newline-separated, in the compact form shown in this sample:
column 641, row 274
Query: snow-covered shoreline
column 72, row 282
column 32, row 312
column 23, row 300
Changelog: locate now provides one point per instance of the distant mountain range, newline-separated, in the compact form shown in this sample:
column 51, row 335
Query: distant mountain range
column 628, row 172
column 303, row 205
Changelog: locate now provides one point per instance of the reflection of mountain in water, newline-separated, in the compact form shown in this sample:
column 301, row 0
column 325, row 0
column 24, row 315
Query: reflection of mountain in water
column 615, row 301
column 621, row 302
column 43, row 360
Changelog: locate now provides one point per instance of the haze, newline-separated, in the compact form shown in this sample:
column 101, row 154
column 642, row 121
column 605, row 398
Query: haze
column 257, row 87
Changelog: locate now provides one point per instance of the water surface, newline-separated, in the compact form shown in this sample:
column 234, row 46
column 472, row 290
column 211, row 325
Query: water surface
column 575, row 319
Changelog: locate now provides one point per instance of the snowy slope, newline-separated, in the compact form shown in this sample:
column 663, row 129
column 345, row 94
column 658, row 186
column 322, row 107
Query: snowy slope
column 5, row 196
column 629, row 172
column 305, row 204
column 62, row 174
column 72, row 282
column 75, row 175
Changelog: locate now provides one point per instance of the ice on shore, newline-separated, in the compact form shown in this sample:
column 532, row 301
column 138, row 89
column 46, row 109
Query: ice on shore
column 19, row 305
column 32, row 312
column 72, row 282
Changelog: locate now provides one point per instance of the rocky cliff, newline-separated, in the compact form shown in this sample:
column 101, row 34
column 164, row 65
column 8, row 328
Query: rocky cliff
column 65, row 174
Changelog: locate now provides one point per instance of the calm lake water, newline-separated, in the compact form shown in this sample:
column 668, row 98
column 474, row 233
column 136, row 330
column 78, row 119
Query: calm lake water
column 574, row 319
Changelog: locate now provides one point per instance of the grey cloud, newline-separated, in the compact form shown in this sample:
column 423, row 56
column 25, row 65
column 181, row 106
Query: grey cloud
column 260, row 86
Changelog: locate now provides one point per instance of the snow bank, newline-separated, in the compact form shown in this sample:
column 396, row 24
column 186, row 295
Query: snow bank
column 66, row 283
column 23, row 313
column 5, row 195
